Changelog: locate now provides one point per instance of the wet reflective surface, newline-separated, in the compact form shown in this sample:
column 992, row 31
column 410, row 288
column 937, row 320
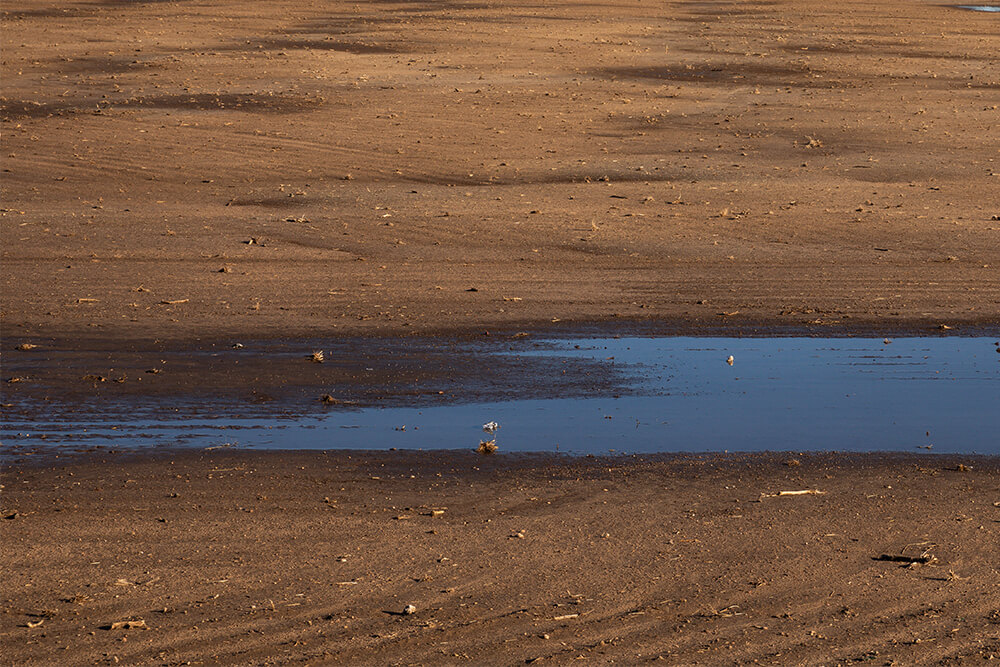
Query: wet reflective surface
column 669, row 394
column 980, row 8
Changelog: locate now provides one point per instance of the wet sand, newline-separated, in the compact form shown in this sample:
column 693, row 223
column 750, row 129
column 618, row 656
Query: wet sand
column 252, row 558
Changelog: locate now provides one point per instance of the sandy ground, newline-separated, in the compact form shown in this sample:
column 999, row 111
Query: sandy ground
column 291, row 168
column 240, row 558
column 180, row 176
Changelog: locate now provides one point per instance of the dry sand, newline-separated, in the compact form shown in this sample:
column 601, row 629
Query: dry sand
column 311, row 558
column 705, row 162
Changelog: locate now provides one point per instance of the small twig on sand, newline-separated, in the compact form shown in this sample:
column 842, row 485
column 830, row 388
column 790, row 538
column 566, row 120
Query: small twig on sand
column 726, row 612
column 803, row 492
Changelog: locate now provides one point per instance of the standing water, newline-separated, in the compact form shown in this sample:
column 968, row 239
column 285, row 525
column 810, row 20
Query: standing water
column 670, row 395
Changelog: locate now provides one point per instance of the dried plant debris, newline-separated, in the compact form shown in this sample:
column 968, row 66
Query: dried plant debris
column 924, row 557
column 78, row 598
column 725, row 612
column 40, row 617
column 802, row 492
column 489, row 446
column 317, row 357
column 565, row 617
column 327, row 399
column 137, row 624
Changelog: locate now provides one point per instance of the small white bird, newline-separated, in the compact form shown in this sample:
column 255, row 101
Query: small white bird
column 730, row 360
column 491, row 427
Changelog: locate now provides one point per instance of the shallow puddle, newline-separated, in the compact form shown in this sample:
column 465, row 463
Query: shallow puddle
column 669, row 395
column 979, row 8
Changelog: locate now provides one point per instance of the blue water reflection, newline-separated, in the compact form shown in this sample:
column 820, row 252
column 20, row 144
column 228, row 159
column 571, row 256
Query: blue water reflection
column 779, row 394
